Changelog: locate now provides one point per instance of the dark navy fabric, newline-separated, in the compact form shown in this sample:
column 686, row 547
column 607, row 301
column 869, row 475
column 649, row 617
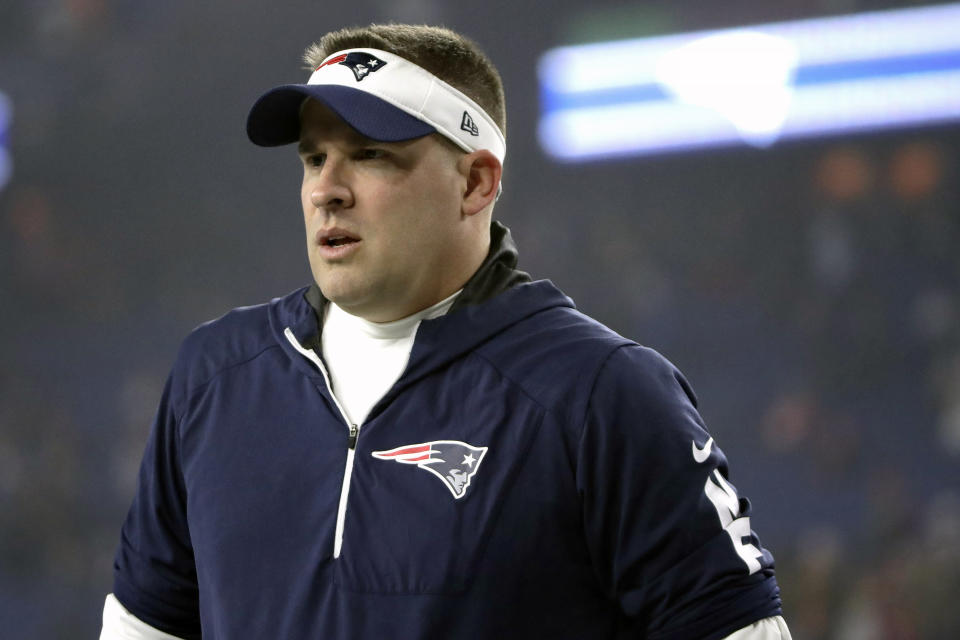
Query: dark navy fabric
column 587, row 517
column 274, row 119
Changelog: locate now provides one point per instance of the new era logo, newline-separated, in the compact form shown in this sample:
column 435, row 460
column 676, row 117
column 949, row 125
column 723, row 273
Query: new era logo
column 468, row 125
column 453, row 462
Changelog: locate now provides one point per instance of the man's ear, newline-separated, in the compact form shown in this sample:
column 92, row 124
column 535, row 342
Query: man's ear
column 483, row 171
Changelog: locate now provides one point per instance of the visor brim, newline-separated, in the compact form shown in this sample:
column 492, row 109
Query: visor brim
column 274, row 119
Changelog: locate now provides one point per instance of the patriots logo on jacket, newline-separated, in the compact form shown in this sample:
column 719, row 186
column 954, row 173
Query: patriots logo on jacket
column 362, row 64
column 454, row 462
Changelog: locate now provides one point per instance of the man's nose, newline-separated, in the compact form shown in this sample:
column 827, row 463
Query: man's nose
column 331, row 189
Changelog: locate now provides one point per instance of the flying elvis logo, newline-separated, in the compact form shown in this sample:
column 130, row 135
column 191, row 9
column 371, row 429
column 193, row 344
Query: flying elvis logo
column 362, row 64
column 454, row 462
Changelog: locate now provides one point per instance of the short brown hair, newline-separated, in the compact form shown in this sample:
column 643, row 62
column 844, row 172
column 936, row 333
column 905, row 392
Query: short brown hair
column 453, row 58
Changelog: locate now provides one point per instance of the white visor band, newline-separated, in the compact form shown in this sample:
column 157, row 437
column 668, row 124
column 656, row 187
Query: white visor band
column 415, row 91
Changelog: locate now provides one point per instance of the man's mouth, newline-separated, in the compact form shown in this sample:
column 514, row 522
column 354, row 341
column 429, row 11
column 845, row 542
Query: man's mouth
column 339, row 241
column 335, row 238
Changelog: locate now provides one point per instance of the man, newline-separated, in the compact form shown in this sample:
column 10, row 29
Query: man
column 425, row 443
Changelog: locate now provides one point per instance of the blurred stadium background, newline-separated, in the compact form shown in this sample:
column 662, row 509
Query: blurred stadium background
column 808, row 287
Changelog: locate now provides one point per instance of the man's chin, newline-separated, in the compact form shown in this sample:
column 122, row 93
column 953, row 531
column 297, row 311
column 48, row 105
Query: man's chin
column 351, row 299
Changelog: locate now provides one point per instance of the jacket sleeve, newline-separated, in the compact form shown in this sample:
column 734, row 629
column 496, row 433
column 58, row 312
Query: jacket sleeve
column 668, row 535
column 155, row 577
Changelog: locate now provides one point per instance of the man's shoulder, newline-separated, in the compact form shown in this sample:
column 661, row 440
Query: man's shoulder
column 559, row 354
column 236, row 337
column 239, row 329
column 561, row 331
column 553, row 352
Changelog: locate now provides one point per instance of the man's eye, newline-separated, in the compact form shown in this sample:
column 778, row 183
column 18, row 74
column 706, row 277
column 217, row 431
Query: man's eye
column 370, row 154
column 315, row 160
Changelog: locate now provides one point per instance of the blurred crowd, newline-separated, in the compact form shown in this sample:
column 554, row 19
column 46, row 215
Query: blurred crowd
column 870, row 404
column 810, row 292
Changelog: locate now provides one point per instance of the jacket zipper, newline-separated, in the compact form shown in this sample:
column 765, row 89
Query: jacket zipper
column 354, row 432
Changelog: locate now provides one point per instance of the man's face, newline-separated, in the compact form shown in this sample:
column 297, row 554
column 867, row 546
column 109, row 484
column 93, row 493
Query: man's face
column 385, row 234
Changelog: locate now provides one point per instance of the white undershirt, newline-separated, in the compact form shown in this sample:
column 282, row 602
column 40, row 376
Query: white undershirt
column 365, row 358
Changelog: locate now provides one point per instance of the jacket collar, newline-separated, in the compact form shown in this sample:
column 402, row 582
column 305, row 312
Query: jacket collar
column 497, row 296
column 496, row 274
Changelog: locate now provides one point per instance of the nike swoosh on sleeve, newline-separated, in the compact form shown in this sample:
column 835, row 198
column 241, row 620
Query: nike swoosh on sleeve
column 700, row 455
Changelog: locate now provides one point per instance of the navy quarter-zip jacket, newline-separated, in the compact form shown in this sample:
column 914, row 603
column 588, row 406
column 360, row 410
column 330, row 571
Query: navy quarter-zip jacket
column 592, row 502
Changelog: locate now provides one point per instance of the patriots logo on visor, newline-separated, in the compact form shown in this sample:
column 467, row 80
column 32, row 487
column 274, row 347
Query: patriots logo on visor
column 362, row 64
column 454, row 462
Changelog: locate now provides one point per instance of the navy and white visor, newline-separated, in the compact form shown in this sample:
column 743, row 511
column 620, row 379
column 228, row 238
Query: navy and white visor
column 381, row 95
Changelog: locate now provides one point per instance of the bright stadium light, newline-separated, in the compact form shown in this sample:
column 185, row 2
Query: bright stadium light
column 752, row 85
column 744, row 76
